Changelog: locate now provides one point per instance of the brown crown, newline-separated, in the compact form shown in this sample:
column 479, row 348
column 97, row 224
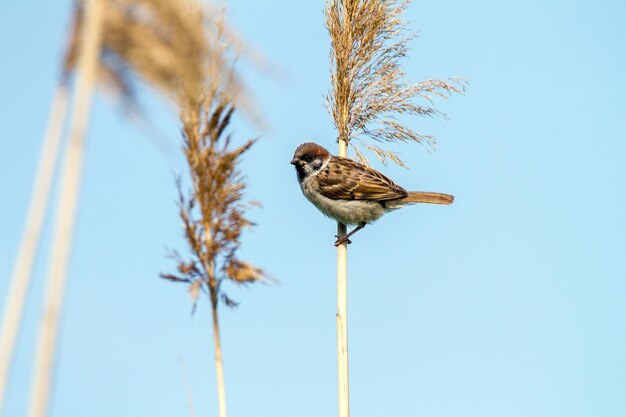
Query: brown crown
column 310, row 148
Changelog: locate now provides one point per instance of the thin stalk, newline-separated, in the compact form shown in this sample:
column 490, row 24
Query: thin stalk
column 213, row 290
column 87, row 68
column 188, row 395
column 29, row 245
column 219, row 364
column 342, row 313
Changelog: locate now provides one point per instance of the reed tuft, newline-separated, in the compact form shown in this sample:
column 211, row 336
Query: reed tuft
column 368, row 92
column 368, row 101
column 162, row 42
column 213, row 212
column 185, row 52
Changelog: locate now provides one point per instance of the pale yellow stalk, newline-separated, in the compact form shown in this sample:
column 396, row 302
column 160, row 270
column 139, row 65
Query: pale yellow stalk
column 87, row 68
column 219, row 365
column 342, row 313
column 367, row 95
column 29, row 245
column 188, row 395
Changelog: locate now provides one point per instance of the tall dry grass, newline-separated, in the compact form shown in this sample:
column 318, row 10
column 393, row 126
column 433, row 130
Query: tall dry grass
column 367, row 98
column 113, row 44
column 213, row 210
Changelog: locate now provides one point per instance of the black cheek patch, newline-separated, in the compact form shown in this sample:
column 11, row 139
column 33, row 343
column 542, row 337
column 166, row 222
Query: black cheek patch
column 301, row 173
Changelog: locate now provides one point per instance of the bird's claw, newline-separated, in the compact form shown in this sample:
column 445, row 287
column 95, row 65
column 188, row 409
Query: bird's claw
column 342, row 239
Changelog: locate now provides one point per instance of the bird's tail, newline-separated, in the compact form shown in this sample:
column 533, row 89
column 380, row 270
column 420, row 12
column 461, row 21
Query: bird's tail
column 426, row 197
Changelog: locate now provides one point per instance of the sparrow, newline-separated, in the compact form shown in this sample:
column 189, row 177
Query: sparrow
column 350, row 192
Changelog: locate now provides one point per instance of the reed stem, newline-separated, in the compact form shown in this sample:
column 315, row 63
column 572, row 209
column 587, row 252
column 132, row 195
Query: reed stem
column 31, row 236
column 219, row 365
column 87, row 68
column 342, row 313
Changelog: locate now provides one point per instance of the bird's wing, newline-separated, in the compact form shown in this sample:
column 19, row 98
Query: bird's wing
column 344, row 179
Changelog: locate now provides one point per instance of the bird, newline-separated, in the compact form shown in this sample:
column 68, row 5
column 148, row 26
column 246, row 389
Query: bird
column 349, row 192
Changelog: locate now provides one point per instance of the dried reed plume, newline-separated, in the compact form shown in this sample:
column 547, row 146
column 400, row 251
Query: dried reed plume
column 368, row 92
column 162, row 42
column 367, row 97
column 213, row 212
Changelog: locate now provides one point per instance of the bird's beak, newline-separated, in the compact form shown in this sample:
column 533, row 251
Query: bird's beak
column 294, row 161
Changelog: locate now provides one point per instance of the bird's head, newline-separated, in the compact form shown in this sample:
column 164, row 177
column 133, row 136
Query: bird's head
column 309, row 159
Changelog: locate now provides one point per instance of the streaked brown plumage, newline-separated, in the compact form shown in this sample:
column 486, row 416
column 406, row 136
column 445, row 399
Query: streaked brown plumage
column 349, row 192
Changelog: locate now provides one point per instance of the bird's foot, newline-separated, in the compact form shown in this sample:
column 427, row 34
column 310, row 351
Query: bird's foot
column 341, row 240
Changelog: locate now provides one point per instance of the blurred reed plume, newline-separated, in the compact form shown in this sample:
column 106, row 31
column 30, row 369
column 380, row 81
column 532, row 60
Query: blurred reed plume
column 213, row 212
column 162, row 42
column 368, row 100
column 368, row 93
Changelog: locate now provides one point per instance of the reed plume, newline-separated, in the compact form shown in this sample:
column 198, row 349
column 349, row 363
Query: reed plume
column 161, row 42
column 368, row 92
column 213, row 211
column 368, row 96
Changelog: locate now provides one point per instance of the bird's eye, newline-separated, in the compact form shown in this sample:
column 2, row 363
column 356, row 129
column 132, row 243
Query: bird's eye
column 307, row 158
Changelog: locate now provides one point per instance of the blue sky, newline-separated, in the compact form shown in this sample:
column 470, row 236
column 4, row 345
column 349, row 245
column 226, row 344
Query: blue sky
column 511, row 302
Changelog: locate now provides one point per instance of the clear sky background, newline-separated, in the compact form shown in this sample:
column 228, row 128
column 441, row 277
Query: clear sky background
column 511, row 302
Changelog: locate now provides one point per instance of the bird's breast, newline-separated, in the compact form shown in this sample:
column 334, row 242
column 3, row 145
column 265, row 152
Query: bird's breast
column 344, row 211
